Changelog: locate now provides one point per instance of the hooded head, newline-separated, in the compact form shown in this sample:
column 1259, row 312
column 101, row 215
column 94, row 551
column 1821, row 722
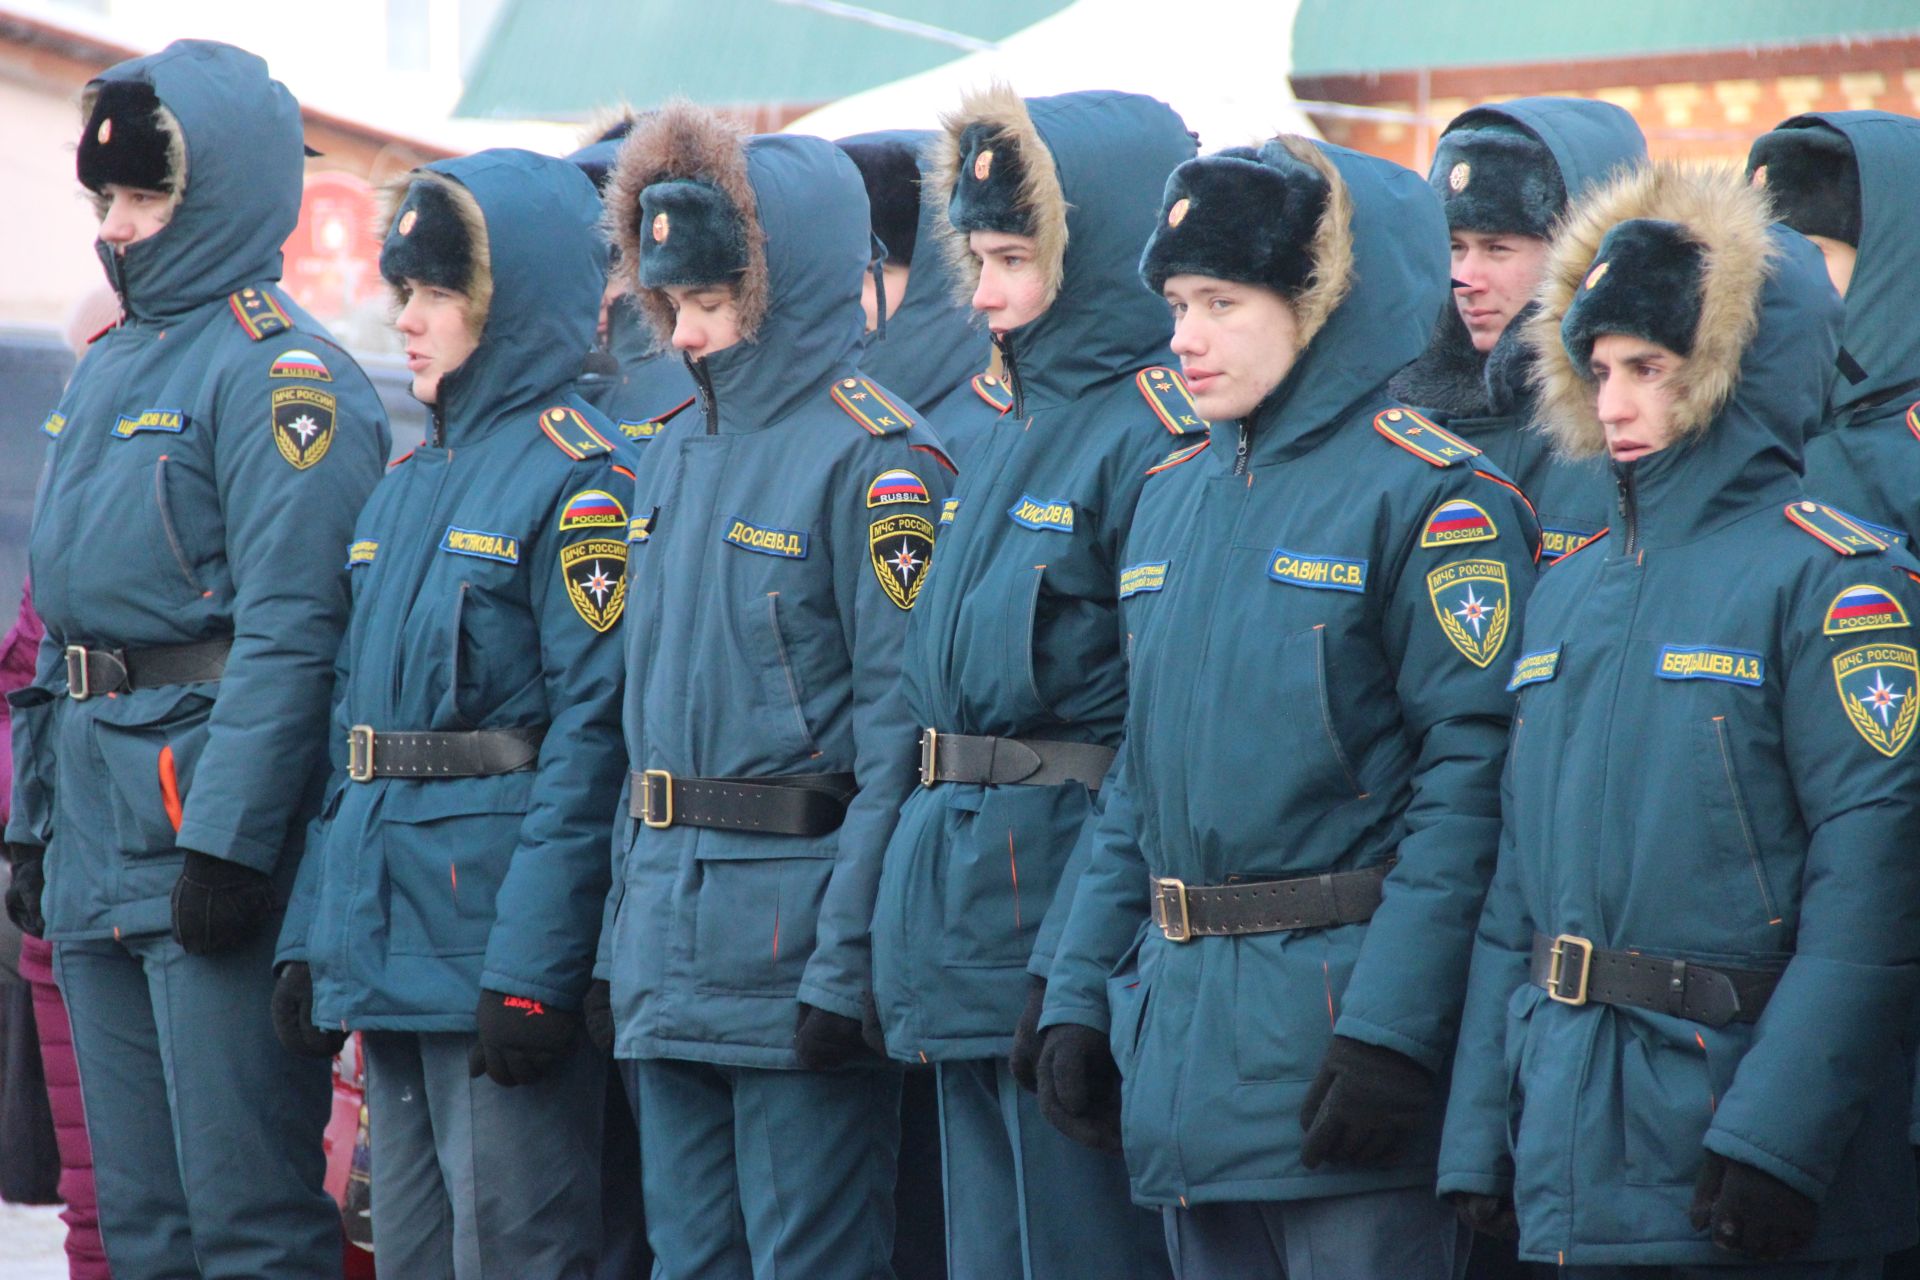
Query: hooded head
column 601, row 145
column 1810, row 174
column 1082, row 174
column 205, row 122
column 518, row 234
column 889, row 165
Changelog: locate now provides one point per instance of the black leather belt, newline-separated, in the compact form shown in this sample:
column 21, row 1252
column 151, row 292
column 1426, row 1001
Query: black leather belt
column 1574, row 971
column 92, row 673
column 1184, row 912
column 471, row 753
column 803, row 804
column 1032, row 762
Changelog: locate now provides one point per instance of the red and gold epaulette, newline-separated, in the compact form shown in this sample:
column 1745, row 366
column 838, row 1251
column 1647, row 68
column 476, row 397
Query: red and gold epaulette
column 1425, row 440
column 258, row 313
column 869, row 406
column 993, row 391
column 1839, row 531
column 572, row 434
column 1172, row 403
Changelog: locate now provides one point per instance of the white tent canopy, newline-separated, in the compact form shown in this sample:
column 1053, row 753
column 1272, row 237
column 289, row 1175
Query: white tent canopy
column 1222, row 64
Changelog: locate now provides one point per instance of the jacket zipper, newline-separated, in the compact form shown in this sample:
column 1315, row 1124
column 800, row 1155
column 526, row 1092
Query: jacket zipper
column 1019, row 407
column 1242, row 450
column 703, row 382
column 439, row 424
column 1630, row 509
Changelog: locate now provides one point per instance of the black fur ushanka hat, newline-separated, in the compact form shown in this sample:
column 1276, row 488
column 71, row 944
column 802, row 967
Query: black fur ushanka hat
column 1240, row 214
column 1812, row 177
column 1492, row 176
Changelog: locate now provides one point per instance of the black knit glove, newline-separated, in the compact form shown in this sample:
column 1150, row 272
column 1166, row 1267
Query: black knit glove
column 1751, row 1213
column 1079, row 1085
column 597, row 1010
column 1364, row 1105
column 218, row 905
column 1025, row 1058
column 29, row 882
column 825, row 1040
column 1489, row 1215
column 293, row 1015
column 520, row 1039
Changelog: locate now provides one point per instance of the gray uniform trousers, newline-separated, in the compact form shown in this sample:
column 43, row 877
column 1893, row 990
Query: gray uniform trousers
column 1404, row 1234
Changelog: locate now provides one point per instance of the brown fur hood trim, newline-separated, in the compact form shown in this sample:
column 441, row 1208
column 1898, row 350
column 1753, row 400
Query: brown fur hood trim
column 684, row 141
column 1332, row 249
column 393, row 193
column 1040, row 192
column 1729, row 220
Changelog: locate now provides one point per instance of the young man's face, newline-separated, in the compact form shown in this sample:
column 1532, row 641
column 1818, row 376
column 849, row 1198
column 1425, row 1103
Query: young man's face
column 434, row 323
column 1012, row 291
column 1635, row 406
column 1498, row 274
column 133, row 214
column 1840, row 258
column 1235, row 342
column 896, row 281
column 706, row 318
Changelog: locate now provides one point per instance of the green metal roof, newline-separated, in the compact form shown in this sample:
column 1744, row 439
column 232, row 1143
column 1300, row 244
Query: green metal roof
column 1353, row 36
column 548, row 59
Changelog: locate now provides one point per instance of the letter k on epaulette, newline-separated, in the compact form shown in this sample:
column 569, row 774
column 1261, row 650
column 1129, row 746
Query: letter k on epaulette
column 1423, row 439
column 258, row 313
column 1172, row 403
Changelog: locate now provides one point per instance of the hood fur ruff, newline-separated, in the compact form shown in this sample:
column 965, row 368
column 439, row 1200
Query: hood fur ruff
column 1332, row 249
column 1040, row 195
column 480, row 286
column 684, row 141
column 1729, row 220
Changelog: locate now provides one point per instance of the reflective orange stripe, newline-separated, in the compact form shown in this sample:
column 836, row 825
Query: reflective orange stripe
column 170, row 789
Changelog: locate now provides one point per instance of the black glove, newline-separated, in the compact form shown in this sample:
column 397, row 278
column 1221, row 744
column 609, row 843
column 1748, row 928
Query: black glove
column 826, row 1040
column 1489, row 1215
column 597, row 1010
column 520, row 1039
column 23, row 894
column 1079, row 1085
column 1364, row 1105
column 1749, row 1212
column 871, row 1031
column 217, row 904
column 1025, row 1058
column 293, row 1015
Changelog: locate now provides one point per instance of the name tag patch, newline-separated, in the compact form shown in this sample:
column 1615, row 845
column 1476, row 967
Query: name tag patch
column 1556, row 541
column 484, row 546
column 645, row 429
column 361, row 553
column 150, row 420
column 1042, row 513
column 1322, row 573
column 788, row 543
column 1143, row 577
column 1535, row 668
column 55, row 424
column 948, row 510
column 1708, row 662
column 640, row 528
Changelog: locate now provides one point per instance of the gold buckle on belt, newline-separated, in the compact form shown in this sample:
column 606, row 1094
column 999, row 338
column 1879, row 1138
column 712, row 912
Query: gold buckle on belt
column 1162, row 887
column 929, row 756
column 360, row 753
column 82, row 689
column 666, row 798
column 1557, row 954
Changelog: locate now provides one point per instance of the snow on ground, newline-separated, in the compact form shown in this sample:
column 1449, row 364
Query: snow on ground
column 32, row 1242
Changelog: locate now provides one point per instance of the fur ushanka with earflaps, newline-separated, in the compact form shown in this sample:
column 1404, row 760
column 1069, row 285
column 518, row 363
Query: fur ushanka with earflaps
column 436, row 233
column 995, row 120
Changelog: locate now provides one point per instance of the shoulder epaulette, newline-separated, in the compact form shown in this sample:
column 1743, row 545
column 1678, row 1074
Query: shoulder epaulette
column 993, row 391
column 1172, row 403
column 1913, row 419
column 572, row 434
column 1423, row 439
column 1839, row 531
column 1178, row 456
column 869, row 406
column 648, row 428
column 258, row 313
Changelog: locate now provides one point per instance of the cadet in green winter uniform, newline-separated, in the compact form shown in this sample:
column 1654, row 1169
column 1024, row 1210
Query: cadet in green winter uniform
column 1685, row 1043
column 1270, row 941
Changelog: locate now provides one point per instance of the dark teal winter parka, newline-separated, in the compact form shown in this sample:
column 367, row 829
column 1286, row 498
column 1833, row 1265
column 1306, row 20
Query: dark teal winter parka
column 1020, row 634
column 1710, row 763
column 206, row 463
column 1485, row 399
column 487, row 584
column 1320, row 609
column 780, row 535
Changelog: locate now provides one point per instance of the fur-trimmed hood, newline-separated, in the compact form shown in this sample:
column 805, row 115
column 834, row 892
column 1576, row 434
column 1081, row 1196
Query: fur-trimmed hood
column 808, row 243
column 1763, row 356
column 240, row 155
column 1095, row 165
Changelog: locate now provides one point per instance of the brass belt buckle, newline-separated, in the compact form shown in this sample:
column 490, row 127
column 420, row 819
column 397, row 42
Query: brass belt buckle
column 1556, row 962
column 665, row 819
column 79, row 687
column 1163, row 887
column 360, row 753
column 929, row 756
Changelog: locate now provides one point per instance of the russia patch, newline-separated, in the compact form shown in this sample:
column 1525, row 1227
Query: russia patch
column 948, row 510
column 1456, row 522
column 1710, row 662
column 131, row 424
column 890, row 488
column 790, row 544
column 592, row 509
column 1863, row 608
column 1322, row 573
column 1876, row 684
column 1042, row 513
column 362, row 552
column 300, row 364
column 1535, row 668
column 484, row 546
column 1137, row 578
column 1472, row 601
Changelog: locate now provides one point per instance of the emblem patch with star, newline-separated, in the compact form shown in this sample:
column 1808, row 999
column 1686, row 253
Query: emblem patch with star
column 596, row 574
column 1876, row 684
column 1471, row 599
column 302, row 424
column 900, row 547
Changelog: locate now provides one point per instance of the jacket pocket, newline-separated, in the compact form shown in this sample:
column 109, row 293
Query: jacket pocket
column 1727, row 810
column 1287, row 989
column 787, row 687
column 1672, row 1073
column 1000, row 869
column 448, row 846
column 164, row 506
column 150, row 753
column 1127, row 996
column 755, row 922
